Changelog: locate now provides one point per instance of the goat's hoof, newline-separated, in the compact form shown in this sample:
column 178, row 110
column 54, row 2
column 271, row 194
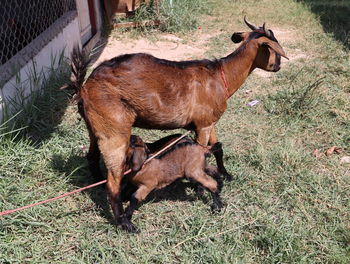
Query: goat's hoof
column 130, row 227
column 228, row 177
column 126, row 225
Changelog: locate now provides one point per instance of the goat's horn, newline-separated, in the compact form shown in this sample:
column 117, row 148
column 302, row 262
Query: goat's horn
column 267, row 32
column 250, row 25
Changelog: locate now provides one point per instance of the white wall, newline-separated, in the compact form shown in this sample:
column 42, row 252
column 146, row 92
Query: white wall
column 65, row 40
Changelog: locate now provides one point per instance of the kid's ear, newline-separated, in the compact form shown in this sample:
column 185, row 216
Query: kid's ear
column 138, row 159
column 237, row 37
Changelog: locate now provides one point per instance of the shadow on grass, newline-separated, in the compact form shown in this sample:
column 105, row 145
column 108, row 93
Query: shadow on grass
column 177, row 191
column 334, row 17
column 76, row 169
column 53, row 104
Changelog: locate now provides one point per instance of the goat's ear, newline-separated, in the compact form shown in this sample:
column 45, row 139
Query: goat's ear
column 237, row 37
column 276, row 47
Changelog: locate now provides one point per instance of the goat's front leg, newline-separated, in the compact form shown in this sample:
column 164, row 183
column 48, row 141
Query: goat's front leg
column 129, row 211
column 219, row 155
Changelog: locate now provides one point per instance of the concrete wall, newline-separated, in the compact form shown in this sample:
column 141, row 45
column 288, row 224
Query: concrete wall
column 65, row 40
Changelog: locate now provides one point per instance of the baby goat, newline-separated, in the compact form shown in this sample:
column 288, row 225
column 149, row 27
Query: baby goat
column 185, row 159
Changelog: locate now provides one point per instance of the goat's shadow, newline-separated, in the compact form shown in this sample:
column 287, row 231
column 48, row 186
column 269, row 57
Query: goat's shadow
column 76, row 169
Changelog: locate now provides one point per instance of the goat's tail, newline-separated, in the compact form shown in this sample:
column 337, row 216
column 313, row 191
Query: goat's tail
column 79, row 63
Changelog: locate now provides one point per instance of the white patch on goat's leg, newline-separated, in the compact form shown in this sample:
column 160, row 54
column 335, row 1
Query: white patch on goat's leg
column 203, row 135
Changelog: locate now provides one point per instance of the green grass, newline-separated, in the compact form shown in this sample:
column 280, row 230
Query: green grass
column 176, row 16
column 285, row 206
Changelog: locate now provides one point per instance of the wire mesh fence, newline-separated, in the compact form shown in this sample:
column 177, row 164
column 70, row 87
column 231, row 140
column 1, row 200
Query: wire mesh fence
column 21, row 21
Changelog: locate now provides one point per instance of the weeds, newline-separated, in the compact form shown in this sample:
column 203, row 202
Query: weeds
column 174, row 15
column 182, row 15
column 295, row 100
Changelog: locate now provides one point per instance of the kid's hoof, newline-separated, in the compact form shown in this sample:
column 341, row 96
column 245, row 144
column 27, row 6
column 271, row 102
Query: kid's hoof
column 227, row 176
column 216, row 208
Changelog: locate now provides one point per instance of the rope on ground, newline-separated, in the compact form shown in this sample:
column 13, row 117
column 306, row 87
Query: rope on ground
column 89, row 186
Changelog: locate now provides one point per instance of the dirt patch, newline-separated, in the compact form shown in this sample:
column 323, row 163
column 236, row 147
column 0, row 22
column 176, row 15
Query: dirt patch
column 284, row 35
column 289, row 38
column 169, row 47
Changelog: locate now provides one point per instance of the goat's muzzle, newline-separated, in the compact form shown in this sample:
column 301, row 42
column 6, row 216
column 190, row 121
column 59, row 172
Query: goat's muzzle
column 276, row 68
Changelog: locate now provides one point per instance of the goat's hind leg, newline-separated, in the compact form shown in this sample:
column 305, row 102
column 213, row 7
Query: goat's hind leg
column 93, row 155
column 211, row 185
column 136, row 198
column 207, row 135
column 213, row 172
column 114, row 149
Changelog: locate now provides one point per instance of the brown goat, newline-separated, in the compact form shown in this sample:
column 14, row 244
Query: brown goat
column 143, row 91
column 184, row 159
